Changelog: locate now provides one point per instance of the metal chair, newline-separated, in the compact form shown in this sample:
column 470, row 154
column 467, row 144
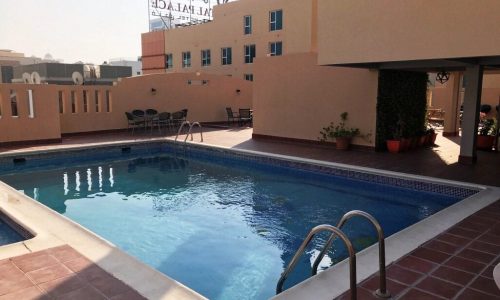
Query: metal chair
column 231, row 116
column 245, row 116
column 163, row 119
column 133, row 122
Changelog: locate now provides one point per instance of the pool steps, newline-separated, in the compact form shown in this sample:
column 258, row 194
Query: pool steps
column 337, row 232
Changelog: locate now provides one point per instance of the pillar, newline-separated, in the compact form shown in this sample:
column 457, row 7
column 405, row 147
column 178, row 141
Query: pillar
column 472, row 102
column 452, row 107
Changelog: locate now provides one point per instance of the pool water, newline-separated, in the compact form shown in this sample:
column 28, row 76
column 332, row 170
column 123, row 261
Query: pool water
column 224, row 229
column 8, row 235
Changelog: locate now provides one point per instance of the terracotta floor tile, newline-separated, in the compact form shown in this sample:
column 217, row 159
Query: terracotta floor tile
column 489, row 271
column 414, row 294
column 12, row 279
column 490, row 238
column 453, row 239
column 79, row 264
column 453, row 275
column 463, row 232
column 486, row 285
column 416, row 264
column 439, row 287
column 431, row 255
column 442, row 246
column 48, row 273
column 476, row 255
column 479, row 220
column 469, row 225
column 402, row 275
column 93, row 273
column 4, row 261
column 64, row 253
column 84, row 293
column 394, row 288
column 362, row 294
column 34, row 262
column 31, row 293
column 470, row 294
column 61, row 286
column 485, row 247
column 465, row 265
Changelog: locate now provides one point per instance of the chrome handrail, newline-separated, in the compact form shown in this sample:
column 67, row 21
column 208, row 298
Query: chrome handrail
column 307, row 240
column 382, row 291
column 190, row 131
column 180, row 129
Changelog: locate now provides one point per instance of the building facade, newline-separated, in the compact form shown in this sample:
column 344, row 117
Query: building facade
column 240, row 32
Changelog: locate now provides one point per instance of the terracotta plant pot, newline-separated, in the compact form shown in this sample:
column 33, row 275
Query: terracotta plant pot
column 394, row 146
column 342, row 143
column 485, row 142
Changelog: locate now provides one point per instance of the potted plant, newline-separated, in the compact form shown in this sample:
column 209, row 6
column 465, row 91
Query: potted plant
column 395, row 144
column 340, row 133
column 486, row 134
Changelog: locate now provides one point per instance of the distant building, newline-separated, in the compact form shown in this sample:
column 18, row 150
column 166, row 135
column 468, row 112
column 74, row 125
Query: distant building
column 135, row 64
column 80, row 74
column 9, row 59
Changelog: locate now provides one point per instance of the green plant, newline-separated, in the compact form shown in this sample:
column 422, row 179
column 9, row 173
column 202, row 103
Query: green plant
column 333, row 131
column 487, row 127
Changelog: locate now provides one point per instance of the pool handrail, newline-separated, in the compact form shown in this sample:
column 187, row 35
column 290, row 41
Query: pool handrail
column 335, row 231
column 190, row 131
column 382, row 291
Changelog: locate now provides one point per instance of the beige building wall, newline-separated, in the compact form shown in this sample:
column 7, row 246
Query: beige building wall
column 44, row 125
column 385, row 30
column 227, row 30
column 205, row 103
column 295, row 98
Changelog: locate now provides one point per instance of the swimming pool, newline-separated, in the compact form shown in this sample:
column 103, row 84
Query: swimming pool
column 223, row 224
column 8, row 232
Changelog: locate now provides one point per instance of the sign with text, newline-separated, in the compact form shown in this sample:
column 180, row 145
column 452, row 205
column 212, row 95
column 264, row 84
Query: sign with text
column 181, row 11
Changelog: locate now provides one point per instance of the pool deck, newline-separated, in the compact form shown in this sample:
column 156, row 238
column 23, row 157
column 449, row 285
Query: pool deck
column 457, row 264
column 59, row 273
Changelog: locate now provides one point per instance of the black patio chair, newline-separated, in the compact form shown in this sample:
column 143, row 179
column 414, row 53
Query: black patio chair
column 231, row 116
column 177, row 118
column 133, row 122
column 245, row 116
column 163, row 119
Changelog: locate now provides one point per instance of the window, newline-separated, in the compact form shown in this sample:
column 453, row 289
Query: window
column 73, row 102
column 205, row 57
column 31, row 105
column 276, row 20
column 227, row 56
column 61, row 102
column 169, row 61
column 247, row 24
column 248, row 77
column 249, row 53
column 13, row 103
column 85, row 102
column 276, row 48
column 97, row 102
column 108, row 101
column 186, row 59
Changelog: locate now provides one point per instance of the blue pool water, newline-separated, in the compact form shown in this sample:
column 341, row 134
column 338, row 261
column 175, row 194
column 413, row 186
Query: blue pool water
column 8, row 235
column 224, row 227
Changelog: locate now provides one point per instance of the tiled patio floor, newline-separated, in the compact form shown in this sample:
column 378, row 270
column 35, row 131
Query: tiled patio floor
column 59, row 273
column 458, row 264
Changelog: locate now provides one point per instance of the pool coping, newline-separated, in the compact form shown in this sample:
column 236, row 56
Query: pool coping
column 330, row 283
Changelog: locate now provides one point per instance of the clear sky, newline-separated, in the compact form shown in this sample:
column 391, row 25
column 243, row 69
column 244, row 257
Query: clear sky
column 85, row 30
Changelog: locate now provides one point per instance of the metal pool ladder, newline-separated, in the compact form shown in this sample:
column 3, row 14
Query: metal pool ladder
column 191, row 125
column 381, row 292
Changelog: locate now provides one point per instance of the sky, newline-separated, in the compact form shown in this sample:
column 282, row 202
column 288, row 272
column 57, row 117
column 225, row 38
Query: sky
column 92, row 31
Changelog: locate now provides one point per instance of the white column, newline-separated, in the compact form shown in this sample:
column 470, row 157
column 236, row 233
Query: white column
column 452, row 107
column 472, row 102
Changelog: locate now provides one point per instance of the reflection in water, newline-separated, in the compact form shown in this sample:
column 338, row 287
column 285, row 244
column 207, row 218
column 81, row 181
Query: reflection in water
column 77, row 180
column 65, row 185
column 100, row 178
column 89, row 180
column 35, row 194
column 111, row 178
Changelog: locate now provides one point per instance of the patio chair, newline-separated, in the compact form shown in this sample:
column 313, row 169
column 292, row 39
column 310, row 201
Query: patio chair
column 231, row 116
column 133, row 122
column 163, row 119
column 150, row 115
column 178, row 117
column 245, row 116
